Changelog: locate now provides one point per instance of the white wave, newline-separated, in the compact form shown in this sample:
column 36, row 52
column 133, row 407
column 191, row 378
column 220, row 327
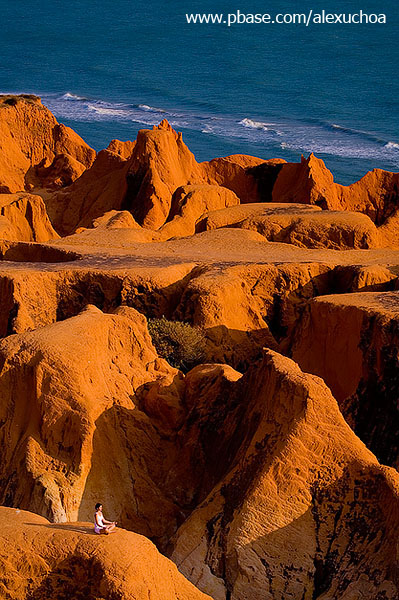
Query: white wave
column 392, row 146
column 254, row 124
column 296, row 136
column 148, row 108
column 111, row 112
column 69, row 96
column 350, row 130
column 370, row 136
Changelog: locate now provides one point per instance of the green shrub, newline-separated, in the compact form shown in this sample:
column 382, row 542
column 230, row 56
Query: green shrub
column 181, row 344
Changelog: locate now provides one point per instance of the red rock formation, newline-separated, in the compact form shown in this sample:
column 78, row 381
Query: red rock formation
column 301, row 225
column 30, row 139
column 310, row 182
column 40, row 561
column 252, row 480
column 234, row 215
column 115, row 229
column 141, row 177
column 160, row 163
column 63, row 171
column 350, row 340
column 246, row 292
column 114, row 219
column 235, row 172
column 244, row 308
column 304, row 509
column 189, row 203
column 123, row 149
column 72, row 431
column 23, row 217
column 100, row 189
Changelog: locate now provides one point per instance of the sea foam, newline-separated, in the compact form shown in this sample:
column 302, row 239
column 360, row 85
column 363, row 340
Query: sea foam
column 254, row 124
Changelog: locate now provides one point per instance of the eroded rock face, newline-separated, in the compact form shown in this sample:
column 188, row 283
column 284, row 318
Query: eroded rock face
column 40, row 561
column 246, row 293
column 351, row 341
column 301, row 225
column 375, row 194
column 235, row 215
column 62, row 172
column 70, row 427
column 243, row 469
column 100, row 189
column 305, row 509
column 160, row 163
column 124, row 149
column 23, row 217
column 189, row 203
column 238, row 173
column 31, row 139
column 244, row 308
column 131, row 430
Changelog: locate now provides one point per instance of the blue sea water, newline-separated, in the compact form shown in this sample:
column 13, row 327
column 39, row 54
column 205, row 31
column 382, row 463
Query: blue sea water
column 108, row 68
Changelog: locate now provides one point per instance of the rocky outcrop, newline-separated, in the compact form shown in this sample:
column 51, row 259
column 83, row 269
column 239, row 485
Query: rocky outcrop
column 144, row 176
column 246, row 292
column 160, row 163
column 123, row 149
column 189, row 203
column 23, row 217
column 89, row 412
column 350, row 340
column 243, row 469
column 40, row 561
column 100, row 189
column 235, row 215
column 239, row 173
column 140, row 177
column 304, row 511
column 376, row 194
column 70, row 427
column 115, row 219
column 304, row 225
column 36, row 150
column 244, row 308
column 115, row 229
column 62, row 172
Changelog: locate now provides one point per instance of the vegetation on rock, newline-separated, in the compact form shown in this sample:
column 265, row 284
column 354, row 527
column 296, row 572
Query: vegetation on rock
column 181, row 344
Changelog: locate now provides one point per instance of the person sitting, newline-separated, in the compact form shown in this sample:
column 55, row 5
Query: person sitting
column 101, row 525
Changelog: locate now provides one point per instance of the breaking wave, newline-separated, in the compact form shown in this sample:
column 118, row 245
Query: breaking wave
column 148, row 108
column 269, row 137
column 69, row 96
column 111, row 112
column 254, row 124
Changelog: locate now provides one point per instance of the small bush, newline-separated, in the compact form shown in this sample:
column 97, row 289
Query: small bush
column 12, row 100
column 181, row 344
column 30, row 97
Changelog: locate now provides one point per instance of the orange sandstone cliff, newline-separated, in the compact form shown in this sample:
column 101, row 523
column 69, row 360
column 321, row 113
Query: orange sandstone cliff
column 39, row 561
column 35, row 149
column 269, row 469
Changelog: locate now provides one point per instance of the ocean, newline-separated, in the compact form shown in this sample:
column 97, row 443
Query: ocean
column 109, row 68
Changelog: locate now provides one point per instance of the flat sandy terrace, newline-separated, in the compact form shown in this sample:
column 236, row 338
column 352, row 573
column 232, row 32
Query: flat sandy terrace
column 119, row 250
